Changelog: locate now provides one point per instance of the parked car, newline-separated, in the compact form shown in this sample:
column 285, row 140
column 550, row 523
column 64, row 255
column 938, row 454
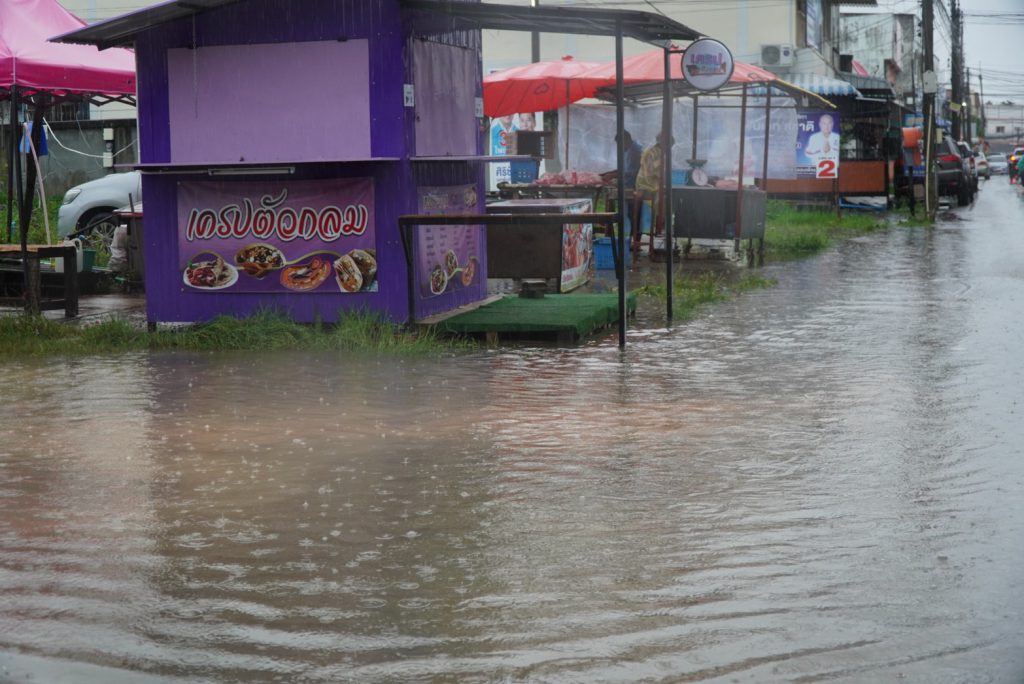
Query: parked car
column 981, row 161
column 997, row 164
column 88, row 210
column 954, row 173
column 967, row 155
column 1014, row 158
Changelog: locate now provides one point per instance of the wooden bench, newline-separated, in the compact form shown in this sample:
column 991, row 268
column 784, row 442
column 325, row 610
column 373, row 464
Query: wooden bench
column 32, row 296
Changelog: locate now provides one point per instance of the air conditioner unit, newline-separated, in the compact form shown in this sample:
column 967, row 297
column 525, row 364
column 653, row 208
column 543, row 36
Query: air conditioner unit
column 777, row 55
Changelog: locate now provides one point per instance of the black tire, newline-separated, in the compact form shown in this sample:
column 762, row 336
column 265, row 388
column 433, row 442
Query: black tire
column 963, row 195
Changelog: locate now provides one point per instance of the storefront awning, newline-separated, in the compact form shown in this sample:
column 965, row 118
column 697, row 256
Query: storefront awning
column 822, row 85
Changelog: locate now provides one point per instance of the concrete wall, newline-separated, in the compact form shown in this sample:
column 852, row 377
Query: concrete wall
column 63, row 168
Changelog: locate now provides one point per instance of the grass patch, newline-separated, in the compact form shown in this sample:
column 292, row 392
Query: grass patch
column 901, row 217
column 22, row 335
column 690, row 293
column 792, row 231
column 36, row 227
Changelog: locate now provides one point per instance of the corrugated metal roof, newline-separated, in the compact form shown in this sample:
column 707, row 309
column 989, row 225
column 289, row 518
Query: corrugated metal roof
column 822, row 85
column 644, row 26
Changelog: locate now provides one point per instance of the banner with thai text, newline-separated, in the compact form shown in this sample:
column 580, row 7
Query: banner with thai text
column 277, row 236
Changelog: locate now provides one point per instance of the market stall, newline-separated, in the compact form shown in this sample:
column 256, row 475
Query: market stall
column 703, row 205
column 256, row 201
column 37, row 74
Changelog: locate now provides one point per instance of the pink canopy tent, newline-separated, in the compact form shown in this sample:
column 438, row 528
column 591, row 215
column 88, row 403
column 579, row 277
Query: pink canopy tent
column 39, row 72
column 31, row 63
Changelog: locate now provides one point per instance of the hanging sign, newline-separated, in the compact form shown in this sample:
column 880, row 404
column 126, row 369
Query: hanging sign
column 707, row 64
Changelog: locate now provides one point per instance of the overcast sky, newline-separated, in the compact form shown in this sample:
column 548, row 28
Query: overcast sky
column 993, row 45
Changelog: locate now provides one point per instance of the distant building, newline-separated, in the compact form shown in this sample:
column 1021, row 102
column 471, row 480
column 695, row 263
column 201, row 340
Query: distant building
column 888, row 47
column 786, row 37
column 1004, row 125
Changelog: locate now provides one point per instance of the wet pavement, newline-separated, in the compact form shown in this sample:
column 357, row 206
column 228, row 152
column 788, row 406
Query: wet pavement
column 818, row 481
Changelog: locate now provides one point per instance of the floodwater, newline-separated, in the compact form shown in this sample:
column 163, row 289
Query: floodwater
column 820, row 481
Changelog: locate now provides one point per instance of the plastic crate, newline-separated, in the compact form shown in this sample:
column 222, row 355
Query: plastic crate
column 680, row 177
column 603, row 255
column 524, row 171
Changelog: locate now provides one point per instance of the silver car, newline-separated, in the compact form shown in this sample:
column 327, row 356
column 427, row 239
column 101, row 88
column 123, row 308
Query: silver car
column 998, row 165
column 88, row 210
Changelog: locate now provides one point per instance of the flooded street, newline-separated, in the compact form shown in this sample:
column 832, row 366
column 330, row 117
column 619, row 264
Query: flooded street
column 819, row 481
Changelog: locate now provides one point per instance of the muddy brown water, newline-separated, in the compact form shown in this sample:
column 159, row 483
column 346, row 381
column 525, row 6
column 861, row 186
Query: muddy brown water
column 815, row 482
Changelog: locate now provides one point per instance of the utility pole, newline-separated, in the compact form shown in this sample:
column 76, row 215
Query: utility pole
column 956, row 67
column 535, row 39
column 929, row 85
column 982, row 128
column 967, row 112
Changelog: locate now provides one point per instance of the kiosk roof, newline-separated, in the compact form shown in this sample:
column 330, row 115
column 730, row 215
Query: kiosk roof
column 643, row 26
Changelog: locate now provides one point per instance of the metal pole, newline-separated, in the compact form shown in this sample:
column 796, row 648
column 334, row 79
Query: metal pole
column 534, row 39
column 620, row 145
column 738, row 232
column 930, row 189
column 12, row 159
column 767, row 136
column 693, row 143
column 666, row 212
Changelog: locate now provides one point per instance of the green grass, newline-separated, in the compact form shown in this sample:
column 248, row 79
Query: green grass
column 22, row 335
column 901, row 217
column 692, row 292
column 791, row 232
column 36, row 228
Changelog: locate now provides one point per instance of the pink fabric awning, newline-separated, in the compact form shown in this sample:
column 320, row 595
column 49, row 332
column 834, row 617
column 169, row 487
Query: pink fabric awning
column 28, row 60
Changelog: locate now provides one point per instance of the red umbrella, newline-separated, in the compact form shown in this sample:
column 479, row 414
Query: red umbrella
column 538, row 87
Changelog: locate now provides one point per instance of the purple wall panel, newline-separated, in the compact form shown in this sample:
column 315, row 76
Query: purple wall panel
column 220, row 112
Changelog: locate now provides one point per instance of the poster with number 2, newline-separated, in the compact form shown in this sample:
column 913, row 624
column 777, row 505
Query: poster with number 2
column 817, row 145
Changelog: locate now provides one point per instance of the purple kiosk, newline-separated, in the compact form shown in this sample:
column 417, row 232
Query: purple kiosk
column 280, row 145
column 324, row 156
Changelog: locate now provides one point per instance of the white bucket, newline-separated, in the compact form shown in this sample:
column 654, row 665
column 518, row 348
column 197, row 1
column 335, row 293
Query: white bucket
column 58, row 264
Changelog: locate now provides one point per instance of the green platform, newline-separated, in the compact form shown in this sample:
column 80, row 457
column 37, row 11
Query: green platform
column 576, row 314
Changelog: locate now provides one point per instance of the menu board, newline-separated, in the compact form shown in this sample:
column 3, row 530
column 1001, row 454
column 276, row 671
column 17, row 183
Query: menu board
column 447, row 257
column 277, row 236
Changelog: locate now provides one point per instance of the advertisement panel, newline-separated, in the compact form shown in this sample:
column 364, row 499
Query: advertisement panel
column 577, row 250
column 817, row 145
column 502, row 128
column 277, row 236
column 447, row 257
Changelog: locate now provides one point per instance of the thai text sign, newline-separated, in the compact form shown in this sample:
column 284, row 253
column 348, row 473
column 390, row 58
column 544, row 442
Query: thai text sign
column 277, row 236
column 707, row 64
column 817, row 145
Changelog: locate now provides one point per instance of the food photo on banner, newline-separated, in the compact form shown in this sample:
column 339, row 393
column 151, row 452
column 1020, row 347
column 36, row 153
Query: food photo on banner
column 577, row 250
column 448, row 257
column 817, row 145
column 291, row 236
